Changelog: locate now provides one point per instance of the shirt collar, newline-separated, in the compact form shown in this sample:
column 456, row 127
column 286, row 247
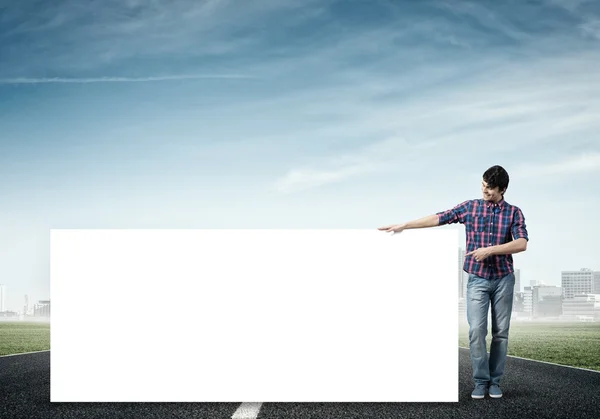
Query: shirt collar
column 499, row 204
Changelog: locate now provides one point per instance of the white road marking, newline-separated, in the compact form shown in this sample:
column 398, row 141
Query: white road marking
column 545, row 362
column 24, row 353
column 247, row 411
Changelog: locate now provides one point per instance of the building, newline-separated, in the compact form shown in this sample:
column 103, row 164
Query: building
column 584, row 307
column 535, row 282
column 546, row 301
column 42, row 308
column 528, row 302
column 518, row 303
column 2, row 298
column 517, row 280
column 578, row 282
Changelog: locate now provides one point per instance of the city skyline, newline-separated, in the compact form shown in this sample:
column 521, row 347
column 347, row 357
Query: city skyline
column 295, row 115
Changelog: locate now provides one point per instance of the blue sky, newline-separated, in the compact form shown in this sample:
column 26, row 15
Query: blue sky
column 290, row 114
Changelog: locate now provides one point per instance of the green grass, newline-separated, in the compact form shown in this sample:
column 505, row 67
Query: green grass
column 573, row 344
column 17, row 337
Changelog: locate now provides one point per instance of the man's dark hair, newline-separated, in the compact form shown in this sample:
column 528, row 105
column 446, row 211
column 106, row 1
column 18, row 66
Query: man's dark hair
column 496, row 176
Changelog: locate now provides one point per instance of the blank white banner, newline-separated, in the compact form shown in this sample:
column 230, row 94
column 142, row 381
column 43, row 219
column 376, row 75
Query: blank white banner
column 254, row 316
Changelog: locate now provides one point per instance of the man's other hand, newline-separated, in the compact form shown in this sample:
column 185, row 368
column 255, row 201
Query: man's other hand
column 480, row 254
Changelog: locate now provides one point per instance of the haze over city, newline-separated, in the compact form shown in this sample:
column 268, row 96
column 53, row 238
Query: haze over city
column 286, row 114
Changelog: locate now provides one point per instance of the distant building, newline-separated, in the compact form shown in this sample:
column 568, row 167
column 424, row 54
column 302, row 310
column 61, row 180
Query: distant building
column 2, row 298
column 518, row 303
column 42, row 309
column 578, row 282
column 528, row 301
column 546, row 301
column 596, row 282
column 584, row 307
column 535, row 282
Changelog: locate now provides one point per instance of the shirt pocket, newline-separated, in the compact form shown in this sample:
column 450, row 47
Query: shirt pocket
column 481, row 223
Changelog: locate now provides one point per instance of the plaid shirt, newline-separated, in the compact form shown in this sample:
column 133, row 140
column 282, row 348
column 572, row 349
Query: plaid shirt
column 487, row 224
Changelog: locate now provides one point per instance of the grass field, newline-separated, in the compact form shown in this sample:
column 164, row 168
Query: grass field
column 18, row 337
column 573, row 344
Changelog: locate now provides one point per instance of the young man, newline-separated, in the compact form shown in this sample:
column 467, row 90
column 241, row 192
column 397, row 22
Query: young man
column 495, row 230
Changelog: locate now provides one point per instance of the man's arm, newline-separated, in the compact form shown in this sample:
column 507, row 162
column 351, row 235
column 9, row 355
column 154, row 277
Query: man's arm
column 425, row 222
column 515, row 246
column 519, row 235
column 429, row 221
column 454, row 215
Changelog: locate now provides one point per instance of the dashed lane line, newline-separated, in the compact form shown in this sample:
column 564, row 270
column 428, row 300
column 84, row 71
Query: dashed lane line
column 247, row 411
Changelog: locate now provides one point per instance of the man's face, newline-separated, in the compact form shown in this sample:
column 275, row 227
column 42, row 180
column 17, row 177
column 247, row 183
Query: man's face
column 490, row 194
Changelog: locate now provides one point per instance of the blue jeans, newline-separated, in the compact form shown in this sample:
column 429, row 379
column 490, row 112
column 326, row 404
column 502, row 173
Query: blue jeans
column 480, row 293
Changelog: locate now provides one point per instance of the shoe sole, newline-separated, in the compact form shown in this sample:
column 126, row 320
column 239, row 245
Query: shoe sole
column 478, row 397
column 496, row 396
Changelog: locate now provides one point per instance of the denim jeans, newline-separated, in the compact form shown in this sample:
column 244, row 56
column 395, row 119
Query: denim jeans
column 481, row 293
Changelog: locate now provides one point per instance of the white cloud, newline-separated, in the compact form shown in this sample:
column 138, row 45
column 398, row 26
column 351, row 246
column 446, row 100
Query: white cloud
column 486, row 17
column 570, row 5
column 301, row 179
column 504, row 108
column 590, row 22
column 25, row 80
column 383, row 156
column 578, row 164
column 591, row 28
column 70, row 37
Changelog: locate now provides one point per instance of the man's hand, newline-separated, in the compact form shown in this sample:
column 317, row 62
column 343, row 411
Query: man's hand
column 480, row 254
column 394, row 228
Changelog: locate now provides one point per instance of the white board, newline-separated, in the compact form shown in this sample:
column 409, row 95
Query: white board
column 254, row 316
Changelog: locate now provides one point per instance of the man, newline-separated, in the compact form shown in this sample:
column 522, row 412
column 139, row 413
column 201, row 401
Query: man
column 495, row 230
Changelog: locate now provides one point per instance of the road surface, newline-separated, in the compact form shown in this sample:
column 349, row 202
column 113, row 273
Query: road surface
column 531, row 390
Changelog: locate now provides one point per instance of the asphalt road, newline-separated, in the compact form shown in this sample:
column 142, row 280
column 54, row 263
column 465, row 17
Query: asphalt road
column 531, row 390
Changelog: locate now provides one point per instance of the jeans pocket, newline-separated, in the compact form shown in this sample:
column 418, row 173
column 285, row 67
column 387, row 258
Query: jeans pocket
column 474, row 293
column 475, row 296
